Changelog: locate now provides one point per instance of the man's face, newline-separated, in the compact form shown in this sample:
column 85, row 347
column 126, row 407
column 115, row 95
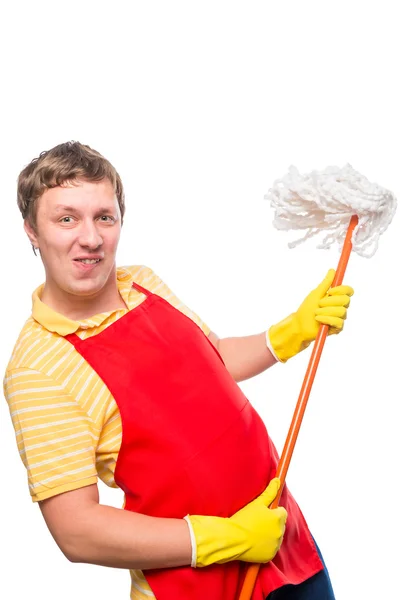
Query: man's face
column 78, row 229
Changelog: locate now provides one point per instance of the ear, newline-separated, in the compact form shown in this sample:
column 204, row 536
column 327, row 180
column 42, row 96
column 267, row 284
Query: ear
column 30, row 232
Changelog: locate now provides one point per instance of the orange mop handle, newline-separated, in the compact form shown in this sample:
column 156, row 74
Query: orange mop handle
column 283, row 465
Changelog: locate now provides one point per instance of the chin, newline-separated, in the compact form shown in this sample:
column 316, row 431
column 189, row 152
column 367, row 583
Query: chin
column 84, row 288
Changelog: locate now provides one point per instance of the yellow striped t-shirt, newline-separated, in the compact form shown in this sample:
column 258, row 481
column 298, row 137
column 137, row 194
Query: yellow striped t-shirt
column 67, row 424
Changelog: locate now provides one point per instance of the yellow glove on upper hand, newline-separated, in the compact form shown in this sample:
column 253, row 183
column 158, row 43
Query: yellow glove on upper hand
column 253, row 534
column 324, row 305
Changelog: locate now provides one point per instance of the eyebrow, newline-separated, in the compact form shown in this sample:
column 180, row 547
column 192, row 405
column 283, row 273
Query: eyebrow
column 66, row 208
column 63, row 207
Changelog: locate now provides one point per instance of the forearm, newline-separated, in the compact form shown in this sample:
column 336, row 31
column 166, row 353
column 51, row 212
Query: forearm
column 247, row 356
column 112, row 537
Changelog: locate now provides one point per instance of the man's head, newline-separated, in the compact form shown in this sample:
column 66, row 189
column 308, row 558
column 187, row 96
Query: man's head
column 72, row 202
column 66, row 162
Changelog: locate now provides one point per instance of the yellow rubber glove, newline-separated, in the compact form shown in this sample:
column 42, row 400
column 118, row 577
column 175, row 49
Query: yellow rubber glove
column 253, row 534
column 323, row 305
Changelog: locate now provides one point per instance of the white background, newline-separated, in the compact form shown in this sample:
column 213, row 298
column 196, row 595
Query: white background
column 201, row 106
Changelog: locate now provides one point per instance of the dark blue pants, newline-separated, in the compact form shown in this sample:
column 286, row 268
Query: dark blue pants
column 318, row 587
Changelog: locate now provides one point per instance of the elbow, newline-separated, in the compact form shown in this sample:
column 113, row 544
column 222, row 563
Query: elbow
column 73, row 555
column 79, row 545
column 69, row 518
column 73, row 543
column 72, row 550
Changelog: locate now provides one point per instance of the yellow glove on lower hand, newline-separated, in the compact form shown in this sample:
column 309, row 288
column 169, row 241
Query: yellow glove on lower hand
column 253, row 534
column 324, row 305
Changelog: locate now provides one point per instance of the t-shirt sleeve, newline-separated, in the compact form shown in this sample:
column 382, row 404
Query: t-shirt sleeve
column 154, row 284
column 55, row 437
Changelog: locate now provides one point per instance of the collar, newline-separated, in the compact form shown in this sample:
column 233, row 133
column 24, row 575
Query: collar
column 58, row 323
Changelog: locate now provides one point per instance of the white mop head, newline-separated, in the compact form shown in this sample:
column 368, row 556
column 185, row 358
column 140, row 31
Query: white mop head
column 326, row 200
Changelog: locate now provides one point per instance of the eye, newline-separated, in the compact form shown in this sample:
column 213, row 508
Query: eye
column 64, row 221
column 104, row 218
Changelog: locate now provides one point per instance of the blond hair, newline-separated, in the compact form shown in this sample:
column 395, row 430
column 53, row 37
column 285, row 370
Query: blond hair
column 67, row 162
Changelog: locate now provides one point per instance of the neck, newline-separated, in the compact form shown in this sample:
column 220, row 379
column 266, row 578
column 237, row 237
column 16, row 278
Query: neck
column 79, row 308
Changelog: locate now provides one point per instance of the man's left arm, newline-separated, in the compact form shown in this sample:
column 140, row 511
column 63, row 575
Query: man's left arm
column 248, row 356
column 244, row 357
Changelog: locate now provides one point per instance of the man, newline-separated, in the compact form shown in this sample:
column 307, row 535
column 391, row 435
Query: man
column 113, row 377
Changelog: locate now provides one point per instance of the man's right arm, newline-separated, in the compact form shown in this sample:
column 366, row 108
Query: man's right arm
column 56, row 440
column 89, row 532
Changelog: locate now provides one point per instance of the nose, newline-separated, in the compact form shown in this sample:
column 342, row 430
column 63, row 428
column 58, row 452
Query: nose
column 89, row 236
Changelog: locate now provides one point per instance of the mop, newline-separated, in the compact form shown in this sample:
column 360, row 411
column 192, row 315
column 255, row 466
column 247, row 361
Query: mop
column 354, row 213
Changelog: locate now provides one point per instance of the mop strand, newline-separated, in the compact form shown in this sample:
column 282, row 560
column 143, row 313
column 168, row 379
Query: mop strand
column 326, row 200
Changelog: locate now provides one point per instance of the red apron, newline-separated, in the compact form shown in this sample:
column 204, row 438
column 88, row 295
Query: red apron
column 191, row 444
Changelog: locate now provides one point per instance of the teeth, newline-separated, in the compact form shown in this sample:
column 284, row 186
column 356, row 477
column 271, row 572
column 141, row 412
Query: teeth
column 89, row 261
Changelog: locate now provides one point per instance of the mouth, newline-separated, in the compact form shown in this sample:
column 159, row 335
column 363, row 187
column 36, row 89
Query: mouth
column 86, row 264
column 88, row 261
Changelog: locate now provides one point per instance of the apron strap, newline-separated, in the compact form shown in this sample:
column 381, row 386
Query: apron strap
column 141, row 289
